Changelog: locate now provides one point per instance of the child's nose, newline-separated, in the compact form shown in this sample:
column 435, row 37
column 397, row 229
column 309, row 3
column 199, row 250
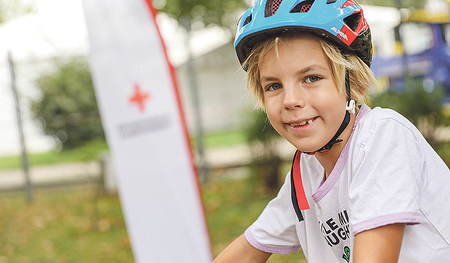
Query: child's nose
column 293, row 98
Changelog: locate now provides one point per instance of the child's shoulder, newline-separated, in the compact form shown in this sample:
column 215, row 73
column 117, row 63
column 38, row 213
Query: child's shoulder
column 386, row 125
column 384, row 113
column 384, row 116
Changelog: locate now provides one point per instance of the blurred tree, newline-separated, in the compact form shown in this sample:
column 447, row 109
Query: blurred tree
column 422, row 107
column 205, row 12
column 67, row 108
column 266, row 160
column 391, row 3
column 10, row 9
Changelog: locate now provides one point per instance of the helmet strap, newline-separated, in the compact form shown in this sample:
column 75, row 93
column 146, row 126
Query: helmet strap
column 351, row 104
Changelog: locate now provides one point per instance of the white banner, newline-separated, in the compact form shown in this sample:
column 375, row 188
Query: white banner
column 145, row 129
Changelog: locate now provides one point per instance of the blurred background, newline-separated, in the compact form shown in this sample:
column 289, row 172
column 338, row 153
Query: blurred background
column 58, row 197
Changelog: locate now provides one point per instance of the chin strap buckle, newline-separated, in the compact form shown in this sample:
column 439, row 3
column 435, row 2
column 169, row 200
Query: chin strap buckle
column 351, row 106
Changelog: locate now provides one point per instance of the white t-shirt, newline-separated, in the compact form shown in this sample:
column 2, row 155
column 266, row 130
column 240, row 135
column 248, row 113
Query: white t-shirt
column 387, row 173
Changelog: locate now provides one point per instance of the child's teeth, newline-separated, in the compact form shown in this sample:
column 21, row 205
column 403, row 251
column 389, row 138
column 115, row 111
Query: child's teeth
column 302, row 123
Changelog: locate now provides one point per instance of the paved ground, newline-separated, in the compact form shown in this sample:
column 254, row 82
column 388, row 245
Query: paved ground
column 69, row 173
column 51, row 174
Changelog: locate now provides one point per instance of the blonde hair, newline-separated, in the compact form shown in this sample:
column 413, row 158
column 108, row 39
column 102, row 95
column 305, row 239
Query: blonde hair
column 360, row 75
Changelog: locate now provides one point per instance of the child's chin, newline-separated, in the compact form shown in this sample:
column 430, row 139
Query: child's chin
column 307, row 148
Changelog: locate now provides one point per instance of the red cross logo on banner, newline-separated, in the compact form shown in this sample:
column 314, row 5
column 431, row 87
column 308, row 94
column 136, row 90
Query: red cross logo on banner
column 139, row 97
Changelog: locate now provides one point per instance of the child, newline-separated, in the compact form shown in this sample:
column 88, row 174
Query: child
column 364, row 186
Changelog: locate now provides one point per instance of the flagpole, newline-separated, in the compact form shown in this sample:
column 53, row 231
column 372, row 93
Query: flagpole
column 25, row 166
column 202, row 163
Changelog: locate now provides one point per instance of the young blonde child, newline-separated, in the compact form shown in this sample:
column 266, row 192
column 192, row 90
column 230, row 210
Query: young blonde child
column 364, row 186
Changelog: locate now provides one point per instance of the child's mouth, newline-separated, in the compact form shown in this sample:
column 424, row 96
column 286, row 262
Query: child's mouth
column 302, row 123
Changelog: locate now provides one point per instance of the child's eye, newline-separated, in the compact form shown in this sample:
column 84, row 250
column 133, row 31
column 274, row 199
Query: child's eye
column 273, row 86
column 312, row 79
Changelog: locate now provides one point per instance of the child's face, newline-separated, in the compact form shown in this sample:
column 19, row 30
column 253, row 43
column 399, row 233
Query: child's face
column 302, row 101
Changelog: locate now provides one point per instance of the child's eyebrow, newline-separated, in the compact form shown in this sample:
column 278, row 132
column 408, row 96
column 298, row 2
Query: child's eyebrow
column 263, row 79
column 301, row 71
column 311, row 68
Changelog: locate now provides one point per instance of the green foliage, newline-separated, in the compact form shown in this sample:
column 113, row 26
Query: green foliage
column 392, row 3
column 10, row 9
column 266, row 160
column 218, row 12
column 424, row 109
column 68, row 109
column 260, row 130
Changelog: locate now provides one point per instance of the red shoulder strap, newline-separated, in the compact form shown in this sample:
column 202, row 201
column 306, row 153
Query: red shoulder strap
column 297, row 180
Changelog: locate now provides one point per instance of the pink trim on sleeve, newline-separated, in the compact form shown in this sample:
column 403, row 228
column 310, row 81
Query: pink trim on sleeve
column 409, row 218
column 269, row 248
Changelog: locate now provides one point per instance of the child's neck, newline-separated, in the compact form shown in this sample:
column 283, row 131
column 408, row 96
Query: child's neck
column 328, row 159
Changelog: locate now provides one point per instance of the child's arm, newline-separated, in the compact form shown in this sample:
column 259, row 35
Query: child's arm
column 380, row 244
column 241, row 251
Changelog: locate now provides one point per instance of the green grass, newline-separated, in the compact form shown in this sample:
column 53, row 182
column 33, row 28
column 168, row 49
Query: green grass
column 233, row 205
column 78, row 225
column 225, row 139
column 87, row 152
column 63, row 226
column 94, row 149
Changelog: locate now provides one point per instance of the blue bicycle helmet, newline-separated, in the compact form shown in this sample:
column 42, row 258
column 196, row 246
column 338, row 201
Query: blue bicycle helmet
column 340, row 21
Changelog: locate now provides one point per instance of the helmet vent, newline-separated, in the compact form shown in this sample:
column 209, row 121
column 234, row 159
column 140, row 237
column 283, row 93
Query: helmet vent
column 247, row 20
column 353, row 20
column 302, row 7
column 272, row 7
